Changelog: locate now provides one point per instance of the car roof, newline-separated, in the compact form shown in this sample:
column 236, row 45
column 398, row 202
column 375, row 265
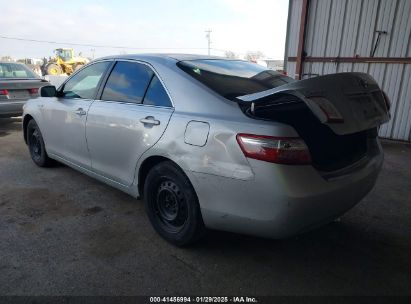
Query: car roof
column 163, row 56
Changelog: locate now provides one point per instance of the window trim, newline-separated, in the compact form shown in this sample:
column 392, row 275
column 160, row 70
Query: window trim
column 103, row 85
column 61, row 87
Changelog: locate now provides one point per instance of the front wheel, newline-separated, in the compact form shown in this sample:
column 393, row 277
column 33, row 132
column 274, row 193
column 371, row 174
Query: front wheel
column 36, row 145
column 172, row 205
column 53, row 69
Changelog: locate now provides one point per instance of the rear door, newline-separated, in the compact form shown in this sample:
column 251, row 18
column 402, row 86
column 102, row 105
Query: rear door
column 65, row 117
column 130, row 117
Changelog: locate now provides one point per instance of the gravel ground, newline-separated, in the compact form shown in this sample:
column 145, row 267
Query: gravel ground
column 63, row 233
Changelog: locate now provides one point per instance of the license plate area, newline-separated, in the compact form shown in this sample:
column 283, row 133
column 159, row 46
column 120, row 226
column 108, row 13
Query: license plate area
column 19, row 94
column 365, row 107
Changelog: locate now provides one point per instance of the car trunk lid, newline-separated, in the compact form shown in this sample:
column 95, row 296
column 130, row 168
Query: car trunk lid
column 346, row 102
column 340, row 130
column 20, row 89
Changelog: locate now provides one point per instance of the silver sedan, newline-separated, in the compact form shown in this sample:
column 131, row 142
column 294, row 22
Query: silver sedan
column 215, row 143
column 17, row 84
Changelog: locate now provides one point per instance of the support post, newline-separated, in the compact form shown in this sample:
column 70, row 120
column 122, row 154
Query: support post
column 301, row 40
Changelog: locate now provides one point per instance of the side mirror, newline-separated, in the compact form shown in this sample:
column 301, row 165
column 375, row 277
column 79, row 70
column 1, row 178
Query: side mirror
column 48, row 91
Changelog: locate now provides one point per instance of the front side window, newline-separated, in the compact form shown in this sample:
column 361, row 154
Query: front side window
column 84, row 84
column 156, row 94
column 233, row 78
column 127, row 82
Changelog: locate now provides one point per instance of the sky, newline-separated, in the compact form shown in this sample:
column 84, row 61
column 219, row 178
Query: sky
column 173, row 26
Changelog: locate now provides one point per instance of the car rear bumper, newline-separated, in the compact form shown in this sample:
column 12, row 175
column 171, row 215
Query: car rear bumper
column 281, row 200
column 11, row 108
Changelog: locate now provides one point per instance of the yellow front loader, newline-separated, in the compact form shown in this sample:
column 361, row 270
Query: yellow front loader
column 64, row 62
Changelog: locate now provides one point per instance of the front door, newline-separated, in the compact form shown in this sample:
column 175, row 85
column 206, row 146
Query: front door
column 66, row 115
column 131, row 116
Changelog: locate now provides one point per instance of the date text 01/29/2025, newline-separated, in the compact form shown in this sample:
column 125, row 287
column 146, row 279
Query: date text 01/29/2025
column 183, row 299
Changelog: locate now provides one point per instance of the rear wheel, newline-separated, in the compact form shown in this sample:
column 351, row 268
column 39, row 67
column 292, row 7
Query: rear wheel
column 36, row 145
column 172, row 205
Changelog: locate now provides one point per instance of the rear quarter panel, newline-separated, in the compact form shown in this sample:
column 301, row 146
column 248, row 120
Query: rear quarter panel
column 221, row 154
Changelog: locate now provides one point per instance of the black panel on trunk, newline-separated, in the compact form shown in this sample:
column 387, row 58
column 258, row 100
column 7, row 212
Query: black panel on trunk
column 329, row 151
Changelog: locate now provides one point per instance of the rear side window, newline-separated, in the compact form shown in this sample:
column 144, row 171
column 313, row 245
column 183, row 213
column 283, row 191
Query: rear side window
column 233, row 78
column 156, row 94
column 127, row 82
column 84, row 84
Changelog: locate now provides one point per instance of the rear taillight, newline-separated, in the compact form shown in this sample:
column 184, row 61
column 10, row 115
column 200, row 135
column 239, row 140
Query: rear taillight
column 4, row 92
column 33, row 91
column 387, row 101
column 280, row 150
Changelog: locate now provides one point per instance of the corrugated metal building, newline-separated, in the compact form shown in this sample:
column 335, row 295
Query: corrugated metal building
column 371, row 36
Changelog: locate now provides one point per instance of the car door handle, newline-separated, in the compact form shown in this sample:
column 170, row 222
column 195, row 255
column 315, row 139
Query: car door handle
column 80, row 112
column 149, row 120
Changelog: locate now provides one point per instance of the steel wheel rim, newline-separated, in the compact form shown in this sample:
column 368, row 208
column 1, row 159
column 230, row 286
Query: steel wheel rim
column 170, row 207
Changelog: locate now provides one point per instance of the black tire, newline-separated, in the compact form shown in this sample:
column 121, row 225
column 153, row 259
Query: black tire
column 53, row 69
column 36, row 146
column 172, row 205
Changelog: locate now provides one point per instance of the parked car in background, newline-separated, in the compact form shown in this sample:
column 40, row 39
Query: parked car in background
column 34, row 64
column 214, row 143
column 17, row 84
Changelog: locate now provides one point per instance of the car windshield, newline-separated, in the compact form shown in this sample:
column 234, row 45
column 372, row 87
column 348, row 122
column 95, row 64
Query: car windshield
column 233, row 78
column 15, row 70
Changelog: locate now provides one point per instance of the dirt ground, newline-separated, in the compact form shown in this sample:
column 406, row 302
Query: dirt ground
column 63, row 233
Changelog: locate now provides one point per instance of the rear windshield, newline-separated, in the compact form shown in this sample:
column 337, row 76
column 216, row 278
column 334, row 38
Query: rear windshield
column 15, row 70
column 233, row 78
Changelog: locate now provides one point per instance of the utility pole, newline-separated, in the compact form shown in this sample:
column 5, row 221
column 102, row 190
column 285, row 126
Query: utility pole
column 208, row 36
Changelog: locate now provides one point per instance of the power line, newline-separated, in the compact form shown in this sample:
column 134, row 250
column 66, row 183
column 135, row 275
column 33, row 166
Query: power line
column 96, row 45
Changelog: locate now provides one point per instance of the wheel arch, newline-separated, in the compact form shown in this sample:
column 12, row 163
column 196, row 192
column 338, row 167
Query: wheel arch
column 26, row 120
column 147, row 165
